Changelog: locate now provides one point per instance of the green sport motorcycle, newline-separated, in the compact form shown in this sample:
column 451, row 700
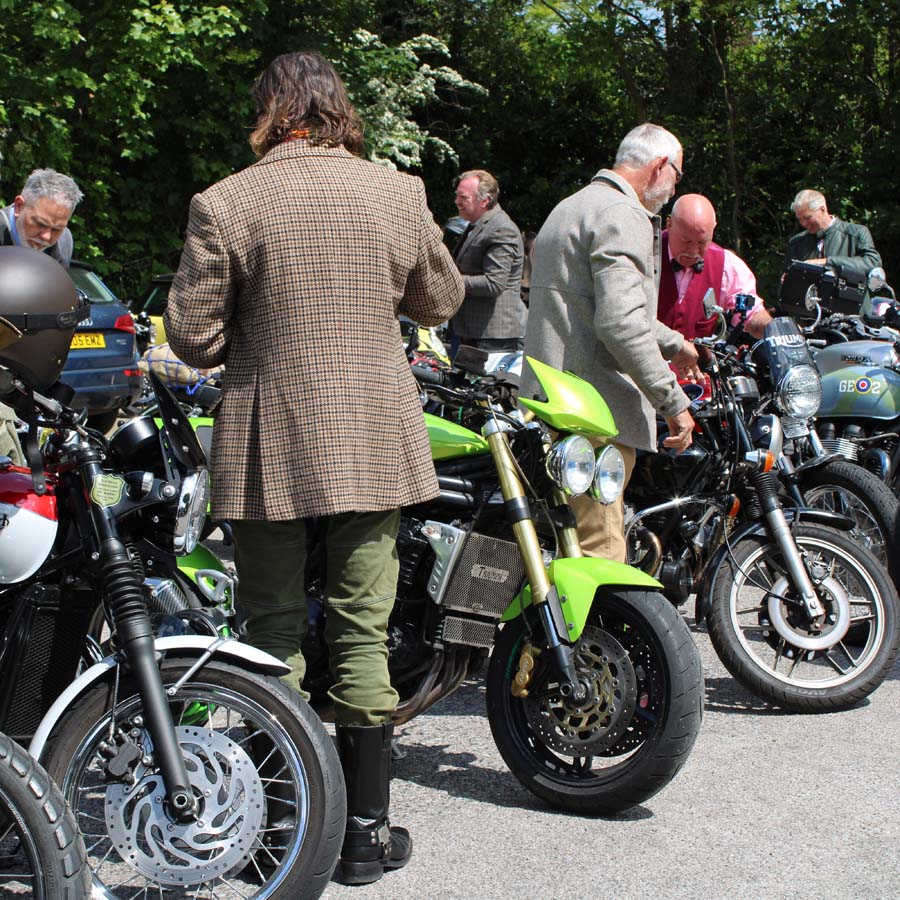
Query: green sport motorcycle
column 594, row 685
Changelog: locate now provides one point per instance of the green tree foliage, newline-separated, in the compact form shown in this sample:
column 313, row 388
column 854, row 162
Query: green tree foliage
column 145, row 102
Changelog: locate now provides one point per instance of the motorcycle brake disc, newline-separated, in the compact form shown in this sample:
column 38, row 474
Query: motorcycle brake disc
column 223, row 837
column 788, row 623
column 598, row 723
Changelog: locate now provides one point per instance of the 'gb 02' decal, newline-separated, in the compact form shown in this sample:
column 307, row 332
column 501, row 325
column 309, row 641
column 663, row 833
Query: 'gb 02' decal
column 859, row 386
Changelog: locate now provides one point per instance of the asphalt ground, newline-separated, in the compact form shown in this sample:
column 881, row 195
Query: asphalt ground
column 769, row 805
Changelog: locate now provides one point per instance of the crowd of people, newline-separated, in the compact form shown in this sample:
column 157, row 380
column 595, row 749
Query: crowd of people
column 312, row 248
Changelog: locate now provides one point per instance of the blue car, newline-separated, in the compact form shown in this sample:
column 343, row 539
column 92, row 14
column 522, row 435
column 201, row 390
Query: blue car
column 102, row 362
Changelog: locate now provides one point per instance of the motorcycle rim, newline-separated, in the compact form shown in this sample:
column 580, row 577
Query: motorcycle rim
column 657, row 689
column 261, row 834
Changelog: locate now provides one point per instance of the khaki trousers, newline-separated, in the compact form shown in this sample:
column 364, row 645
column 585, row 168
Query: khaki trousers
column 601, row 529
column 361, row 570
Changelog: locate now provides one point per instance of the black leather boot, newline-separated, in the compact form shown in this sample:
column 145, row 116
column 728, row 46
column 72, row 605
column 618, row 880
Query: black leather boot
column 371, row 843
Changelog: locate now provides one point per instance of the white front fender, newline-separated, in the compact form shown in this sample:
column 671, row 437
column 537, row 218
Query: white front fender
column 190, row 646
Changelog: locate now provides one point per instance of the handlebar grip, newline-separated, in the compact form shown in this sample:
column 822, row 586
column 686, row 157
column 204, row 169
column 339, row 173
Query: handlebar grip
column 427, row 375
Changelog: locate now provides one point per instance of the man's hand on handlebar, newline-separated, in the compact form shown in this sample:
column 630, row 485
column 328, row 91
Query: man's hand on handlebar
column 686, row 362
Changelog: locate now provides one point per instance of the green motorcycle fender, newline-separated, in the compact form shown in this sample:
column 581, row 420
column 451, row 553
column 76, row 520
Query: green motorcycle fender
column 576, row 581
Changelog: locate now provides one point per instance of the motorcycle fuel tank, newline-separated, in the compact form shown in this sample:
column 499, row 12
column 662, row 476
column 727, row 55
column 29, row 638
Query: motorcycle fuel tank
column 28, row 525
column 858, row 381
column 449, row 440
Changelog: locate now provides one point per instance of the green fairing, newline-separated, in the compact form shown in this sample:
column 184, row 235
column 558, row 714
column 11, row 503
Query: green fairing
column 576, row 581
column 573, row 405
column 449, row 440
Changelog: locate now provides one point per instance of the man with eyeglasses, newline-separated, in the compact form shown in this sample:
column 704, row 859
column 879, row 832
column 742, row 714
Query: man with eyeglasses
column 593, row 302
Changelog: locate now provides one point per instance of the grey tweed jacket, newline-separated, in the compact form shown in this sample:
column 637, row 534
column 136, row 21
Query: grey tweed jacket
column 593, row 305
column 292, row 275
column 490, row 260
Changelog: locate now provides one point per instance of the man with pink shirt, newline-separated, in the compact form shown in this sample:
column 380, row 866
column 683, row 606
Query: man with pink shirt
column 692, row 264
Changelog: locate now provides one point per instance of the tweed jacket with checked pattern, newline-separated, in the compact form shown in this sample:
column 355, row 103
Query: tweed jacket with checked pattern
column 292, row 276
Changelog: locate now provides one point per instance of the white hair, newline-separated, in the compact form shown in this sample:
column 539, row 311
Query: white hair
column 50, row 183
column 808, row 199
column 644, row 144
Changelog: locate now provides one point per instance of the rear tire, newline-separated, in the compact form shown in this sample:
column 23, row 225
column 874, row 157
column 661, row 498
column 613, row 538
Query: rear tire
column 549, row 746
column 39, row 841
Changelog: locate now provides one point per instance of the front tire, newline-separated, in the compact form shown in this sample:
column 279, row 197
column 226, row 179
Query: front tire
column 264, row 771
column 40, row 844
column 764, row 639
column 639, row 728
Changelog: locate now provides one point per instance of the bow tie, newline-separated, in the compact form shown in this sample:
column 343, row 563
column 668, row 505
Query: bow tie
column 696, row 267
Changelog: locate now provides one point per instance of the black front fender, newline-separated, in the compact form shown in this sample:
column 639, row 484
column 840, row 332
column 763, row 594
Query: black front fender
column 793, row 514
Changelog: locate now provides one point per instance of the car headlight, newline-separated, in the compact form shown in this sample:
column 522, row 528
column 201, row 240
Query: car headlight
column 800, row 392
column 609, row 475
column 570, row 463
column 190, row 515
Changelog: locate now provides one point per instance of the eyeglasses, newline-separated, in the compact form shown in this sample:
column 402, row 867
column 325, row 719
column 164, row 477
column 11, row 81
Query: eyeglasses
column 678, row 173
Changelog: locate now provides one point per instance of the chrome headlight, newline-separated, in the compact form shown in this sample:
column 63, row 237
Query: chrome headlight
column 191, row 512
column 570, row 463
column 800, row 392
column 609, row 475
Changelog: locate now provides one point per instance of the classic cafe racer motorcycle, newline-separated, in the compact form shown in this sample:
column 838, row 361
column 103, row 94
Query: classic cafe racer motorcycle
column 594, row 687
column 191, row 769
column 801, row 614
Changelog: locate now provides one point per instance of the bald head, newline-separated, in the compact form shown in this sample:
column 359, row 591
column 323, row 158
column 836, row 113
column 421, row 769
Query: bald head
column 691, row 227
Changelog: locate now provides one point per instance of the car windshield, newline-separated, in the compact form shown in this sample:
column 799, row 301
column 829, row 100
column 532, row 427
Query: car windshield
column 90, row 283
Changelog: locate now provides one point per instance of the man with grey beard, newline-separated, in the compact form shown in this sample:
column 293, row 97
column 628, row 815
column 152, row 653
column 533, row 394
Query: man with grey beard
column 593, row 299
column 39, row 216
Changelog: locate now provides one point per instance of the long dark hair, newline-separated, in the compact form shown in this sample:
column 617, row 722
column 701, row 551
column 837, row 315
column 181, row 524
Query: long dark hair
column 300, row 92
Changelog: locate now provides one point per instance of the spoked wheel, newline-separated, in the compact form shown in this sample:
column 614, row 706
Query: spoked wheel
column 853, row 491
column 634, row 731
column 763, row 636
column 41, row 850
column 265, row 774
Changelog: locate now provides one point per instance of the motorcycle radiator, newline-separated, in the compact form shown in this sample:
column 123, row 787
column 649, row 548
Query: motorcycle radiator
column 475, row 575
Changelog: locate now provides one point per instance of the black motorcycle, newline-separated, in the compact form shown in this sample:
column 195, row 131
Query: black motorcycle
column 188, row 764
column 798, row 611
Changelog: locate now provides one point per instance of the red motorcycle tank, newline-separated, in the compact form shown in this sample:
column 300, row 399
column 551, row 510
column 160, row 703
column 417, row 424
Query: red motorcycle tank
column 28, row 526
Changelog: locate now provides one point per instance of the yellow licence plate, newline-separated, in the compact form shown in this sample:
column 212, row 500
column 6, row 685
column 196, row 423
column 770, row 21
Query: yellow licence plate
column 88, row 341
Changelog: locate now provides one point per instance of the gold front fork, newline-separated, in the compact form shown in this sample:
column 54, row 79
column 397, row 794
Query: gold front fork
column 524, row 530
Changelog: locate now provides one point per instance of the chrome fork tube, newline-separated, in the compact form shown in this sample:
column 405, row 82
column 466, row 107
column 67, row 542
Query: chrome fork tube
column 767, row 489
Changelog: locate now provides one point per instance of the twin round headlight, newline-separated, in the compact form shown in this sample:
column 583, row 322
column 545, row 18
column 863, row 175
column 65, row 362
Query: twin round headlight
column 577, row 468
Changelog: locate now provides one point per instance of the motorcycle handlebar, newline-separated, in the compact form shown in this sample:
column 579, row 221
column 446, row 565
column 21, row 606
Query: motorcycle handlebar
column 427, row 375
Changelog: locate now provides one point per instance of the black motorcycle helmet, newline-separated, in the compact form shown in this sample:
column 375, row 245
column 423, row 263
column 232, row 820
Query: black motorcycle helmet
column 38, row 299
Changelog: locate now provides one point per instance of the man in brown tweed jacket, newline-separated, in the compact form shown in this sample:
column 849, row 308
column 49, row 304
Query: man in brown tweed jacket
column 292, row 276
